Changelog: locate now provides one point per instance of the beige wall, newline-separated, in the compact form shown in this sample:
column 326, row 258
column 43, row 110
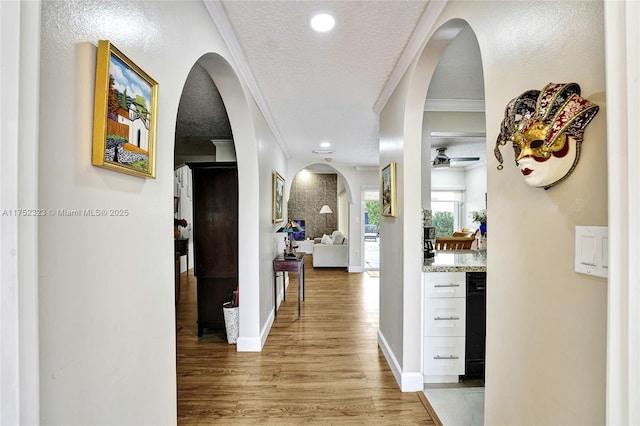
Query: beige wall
column 546, row 325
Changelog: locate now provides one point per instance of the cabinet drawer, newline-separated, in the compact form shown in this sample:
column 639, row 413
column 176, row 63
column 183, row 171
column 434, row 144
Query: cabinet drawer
column 443, row 356
column 445, row 316
column 445, row 284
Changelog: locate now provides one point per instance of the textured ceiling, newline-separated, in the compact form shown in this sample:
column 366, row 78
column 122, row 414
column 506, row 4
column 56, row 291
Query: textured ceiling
column 322, row 87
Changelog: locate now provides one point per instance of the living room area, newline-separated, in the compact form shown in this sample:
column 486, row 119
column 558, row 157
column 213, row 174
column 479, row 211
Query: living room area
column 318, row 204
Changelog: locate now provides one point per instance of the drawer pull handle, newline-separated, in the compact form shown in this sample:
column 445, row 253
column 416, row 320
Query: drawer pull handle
column 446, row 285
column 446, row 357
column 446, row 319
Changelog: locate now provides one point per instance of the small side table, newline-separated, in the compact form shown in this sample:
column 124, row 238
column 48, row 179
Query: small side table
column 288, row 264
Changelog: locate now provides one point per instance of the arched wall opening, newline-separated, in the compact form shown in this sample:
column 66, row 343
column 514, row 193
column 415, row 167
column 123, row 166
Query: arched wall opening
column 240, row 133
column 307, row 193
column 401, row 141
column 351, row 203
column 437, row 104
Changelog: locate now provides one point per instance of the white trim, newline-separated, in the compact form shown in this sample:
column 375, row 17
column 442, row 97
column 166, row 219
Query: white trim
column 412, row 382
column 424, row 26
column 454, row 105
column 391, row 359
column 253, row 344
column 250, row 344
column 623, row 302
column 408, row 382
column 19, row 86
column 221, row 20
column 454, row 135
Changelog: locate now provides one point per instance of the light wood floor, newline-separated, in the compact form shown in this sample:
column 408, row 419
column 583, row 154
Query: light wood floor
column 325, row 368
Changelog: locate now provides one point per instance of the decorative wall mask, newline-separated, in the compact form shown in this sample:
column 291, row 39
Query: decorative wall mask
column 545, row 128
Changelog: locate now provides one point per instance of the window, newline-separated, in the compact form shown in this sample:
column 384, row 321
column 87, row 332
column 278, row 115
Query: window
column 447, row 209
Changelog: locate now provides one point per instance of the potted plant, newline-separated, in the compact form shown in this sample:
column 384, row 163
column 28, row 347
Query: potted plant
column 177, row 223
column 480, row 216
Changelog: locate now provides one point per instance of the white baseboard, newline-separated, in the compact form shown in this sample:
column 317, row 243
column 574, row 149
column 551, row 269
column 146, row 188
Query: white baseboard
column 355, row 269
column 249, row 344
column 255, row 344
column 409, row 381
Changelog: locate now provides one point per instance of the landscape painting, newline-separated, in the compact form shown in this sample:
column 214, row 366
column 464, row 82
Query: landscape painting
column 125, row 114
column 388, row 190
column 278, row 198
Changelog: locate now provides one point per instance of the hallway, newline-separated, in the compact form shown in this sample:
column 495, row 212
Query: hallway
column 325, row 368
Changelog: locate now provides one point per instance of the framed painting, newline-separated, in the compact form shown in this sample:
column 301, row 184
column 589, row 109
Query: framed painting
column 124, row 114
column 278, row 198
column 388, row 190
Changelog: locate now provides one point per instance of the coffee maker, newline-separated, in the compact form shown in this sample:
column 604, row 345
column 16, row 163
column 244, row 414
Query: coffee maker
column 429, row 242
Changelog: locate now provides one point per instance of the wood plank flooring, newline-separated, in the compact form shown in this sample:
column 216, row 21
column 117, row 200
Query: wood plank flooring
column 325, row 368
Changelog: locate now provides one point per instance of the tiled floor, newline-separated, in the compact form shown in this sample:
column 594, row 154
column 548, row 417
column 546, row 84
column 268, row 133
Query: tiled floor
column 372, row 254
column 457, row 406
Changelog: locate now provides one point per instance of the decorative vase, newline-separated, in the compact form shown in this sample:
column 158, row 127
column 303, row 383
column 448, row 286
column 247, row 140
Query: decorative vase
column 483, row 228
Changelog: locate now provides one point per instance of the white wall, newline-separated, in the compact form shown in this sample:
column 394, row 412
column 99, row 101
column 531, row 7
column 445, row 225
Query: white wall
column 107, row 327
column 476, row 192
column 545, row 323
column 270, row 159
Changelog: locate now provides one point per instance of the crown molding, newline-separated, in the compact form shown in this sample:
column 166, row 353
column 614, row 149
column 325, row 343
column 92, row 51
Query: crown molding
column 458, row 134
column 454, row 105
column 221, row 20
column 424, row 26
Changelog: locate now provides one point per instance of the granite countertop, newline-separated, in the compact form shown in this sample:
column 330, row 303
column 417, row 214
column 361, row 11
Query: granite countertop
column 457, row 261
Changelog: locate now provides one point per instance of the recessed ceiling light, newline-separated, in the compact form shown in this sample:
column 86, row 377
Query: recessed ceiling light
column 322, row 22
column 325, row 144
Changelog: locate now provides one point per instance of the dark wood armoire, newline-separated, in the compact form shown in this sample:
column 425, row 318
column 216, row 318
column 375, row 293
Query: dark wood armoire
column 215, row 239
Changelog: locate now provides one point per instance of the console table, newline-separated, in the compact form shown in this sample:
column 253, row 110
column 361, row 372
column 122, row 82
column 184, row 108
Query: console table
column 288, row 264
column 182, row 248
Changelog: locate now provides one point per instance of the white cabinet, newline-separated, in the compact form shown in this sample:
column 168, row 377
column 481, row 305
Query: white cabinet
column 444, row 319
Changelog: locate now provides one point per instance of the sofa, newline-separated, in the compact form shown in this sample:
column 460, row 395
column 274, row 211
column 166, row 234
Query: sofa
column 331, row 251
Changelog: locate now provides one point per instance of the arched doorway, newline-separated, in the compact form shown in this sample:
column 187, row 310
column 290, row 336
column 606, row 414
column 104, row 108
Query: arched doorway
column 217, row 113
column 453, row 119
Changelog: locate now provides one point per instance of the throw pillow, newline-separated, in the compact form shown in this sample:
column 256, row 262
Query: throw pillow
column 326, row 240
column 338, row 238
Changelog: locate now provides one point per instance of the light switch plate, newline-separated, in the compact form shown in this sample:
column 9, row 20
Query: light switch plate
column 592, row 250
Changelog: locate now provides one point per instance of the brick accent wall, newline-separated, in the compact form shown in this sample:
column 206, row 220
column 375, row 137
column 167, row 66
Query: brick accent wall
column 307, row 196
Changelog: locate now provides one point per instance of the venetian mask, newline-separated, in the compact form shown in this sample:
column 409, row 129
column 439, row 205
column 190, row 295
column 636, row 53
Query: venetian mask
column 545, row 128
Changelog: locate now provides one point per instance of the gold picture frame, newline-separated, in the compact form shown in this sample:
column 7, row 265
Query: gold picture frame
column 124, row 115
column 278, row 198
column 388, row 190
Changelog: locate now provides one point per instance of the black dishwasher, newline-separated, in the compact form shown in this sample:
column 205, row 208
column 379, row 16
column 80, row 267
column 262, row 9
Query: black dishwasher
column 476, row 329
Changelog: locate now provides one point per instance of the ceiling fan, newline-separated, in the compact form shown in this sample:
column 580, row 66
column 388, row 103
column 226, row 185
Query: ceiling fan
column 443, row 160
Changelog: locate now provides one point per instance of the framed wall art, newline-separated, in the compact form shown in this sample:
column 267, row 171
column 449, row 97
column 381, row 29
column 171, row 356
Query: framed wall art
column 124, row 114
column 278, row 198
column 388, row 190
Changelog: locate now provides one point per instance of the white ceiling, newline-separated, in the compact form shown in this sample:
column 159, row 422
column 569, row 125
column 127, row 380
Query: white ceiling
column 322, row 87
